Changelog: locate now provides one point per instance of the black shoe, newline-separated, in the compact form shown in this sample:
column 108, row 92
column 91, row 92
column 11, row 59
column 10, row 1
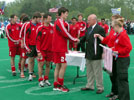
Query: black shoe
column 115, row 97
column 99, row 91
column 87, row 89
column 110, row 95
column 14, row 73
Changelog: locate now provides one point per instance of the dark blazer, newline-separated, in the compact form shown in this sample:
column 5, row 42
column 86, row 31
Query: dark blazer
column 89, row 39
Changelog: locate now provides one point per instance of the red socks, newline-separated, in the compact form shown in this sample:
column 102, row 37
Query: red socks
column 40, row 79
column 56, row 84
column 45, row 77
column 61, row 81
column 26, row 65
column 13, row 68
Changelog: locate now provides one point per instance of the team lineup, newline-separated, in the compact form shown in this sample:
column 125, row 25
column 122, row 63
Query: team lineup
column 38, row 39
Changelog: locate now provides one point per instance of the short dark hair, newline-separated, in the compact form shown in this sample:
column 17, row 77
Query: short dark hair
column 13, row 15
column 46, row 15
column 25, row 19
column 80, row 14
column 37, row 15
column 62, row 10
column 74, row 18
column 22, row 16
column 103, row 19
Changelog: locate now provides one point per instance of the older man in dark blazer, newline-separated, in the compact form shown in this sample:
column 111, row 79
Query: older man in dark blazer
column 93, row 56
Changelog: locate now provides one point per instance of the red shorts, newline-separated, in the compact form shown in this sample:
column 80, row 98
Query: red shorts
column 13, row 51
column 46, row 55
column 23, row 53
column 59, row 57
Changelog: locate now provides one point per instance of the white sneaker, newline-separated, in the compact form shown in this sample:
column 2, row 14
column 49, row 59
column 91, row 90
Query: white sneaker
column 47, row 83
column 25, row 69
column 41, row 84
column 30, row 78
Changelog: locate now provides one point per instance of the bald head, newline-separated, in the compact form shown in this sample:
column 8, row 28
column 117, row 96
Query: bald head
column 92, row 19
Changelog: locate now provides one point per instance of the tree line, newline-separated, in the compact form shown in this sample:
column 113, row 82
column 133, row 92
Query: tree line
column 102, row 8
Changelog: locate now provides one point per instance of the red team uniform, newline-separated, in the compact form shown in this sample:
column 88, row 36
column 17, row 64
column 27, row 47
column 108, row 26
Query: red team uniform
column 110, row 39
column 21, row 36
column 13, row 31
column 122, row 44
column 74, row 31
column 60, row 37
column 82, row 26
column 30, row 38
column 44, row 42
column 105, row 27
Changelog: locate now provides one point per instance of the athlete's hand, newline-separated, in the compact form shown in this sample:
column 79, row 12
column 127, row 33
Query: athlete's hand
column 96, row 35
column 39, row 55
column 77, row 40
column 22, row 45
column 115, row 53
column 29, row 51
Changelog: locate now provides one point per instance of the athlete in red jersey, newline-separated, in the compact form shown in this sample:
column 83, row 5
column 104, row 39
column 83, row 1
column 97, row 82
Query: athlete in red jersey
column 30, row 36
column 59, row 47
column 23, row 50
column 12, row 31
column 104, row 25
column 44, row 49
column 74, row 31
column 82, row 26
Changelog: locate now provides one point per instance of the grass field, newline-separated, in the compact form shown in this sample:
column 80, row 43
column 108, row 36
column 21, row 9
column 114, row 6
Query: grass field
column 14, row 88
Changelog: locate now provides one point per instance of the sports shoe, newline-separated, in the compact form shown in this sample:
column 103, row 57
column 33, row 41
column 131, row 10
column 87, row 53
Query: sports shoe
column 25, row 69
column 14, row 73
column 41, row 84
column 30, row 78
column 115, row 97
column 47, row 83
column 63, row 89
column 110, row 95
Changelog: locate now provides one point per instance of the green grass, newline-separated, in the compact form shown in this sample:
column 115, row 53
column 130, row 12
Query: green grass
column 14, row 88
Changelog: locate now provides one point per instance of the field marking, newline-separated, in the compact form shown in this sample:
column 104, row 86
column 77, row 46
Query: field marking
column 7, row 59
column 18, row 85
column 4, row 59
column 2, row 77
column 13, row 81
column 30, row 90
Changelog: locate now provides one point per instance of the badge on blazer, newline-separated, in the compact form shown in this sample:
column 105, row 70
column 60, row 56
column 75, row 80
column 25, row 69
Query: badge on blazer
column 12, row 29
column 17, row 28
column 33, row 29
column 114, row 34
column 44, row 32
column 51, row 31
column 117, row 41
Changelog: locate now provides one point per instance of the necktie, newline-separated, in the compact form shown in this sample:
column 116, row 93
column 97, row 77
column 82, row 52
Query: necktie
column 90, row 31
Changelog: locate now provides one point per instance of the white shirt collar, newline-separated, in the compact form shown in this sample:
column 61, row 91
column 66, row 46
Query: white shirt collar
column 94, row 26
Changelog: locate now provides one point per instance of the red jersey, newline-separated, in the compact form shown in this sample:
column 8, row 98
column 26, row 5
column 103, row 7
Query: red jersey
column 74, row 30
column 30, row 35
column 122, row 44
column 105, row 27
column 12, row 32
column 60, row 37
column 21, row 36
column 110, row 39
column 44, row 38
column 82, row 26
